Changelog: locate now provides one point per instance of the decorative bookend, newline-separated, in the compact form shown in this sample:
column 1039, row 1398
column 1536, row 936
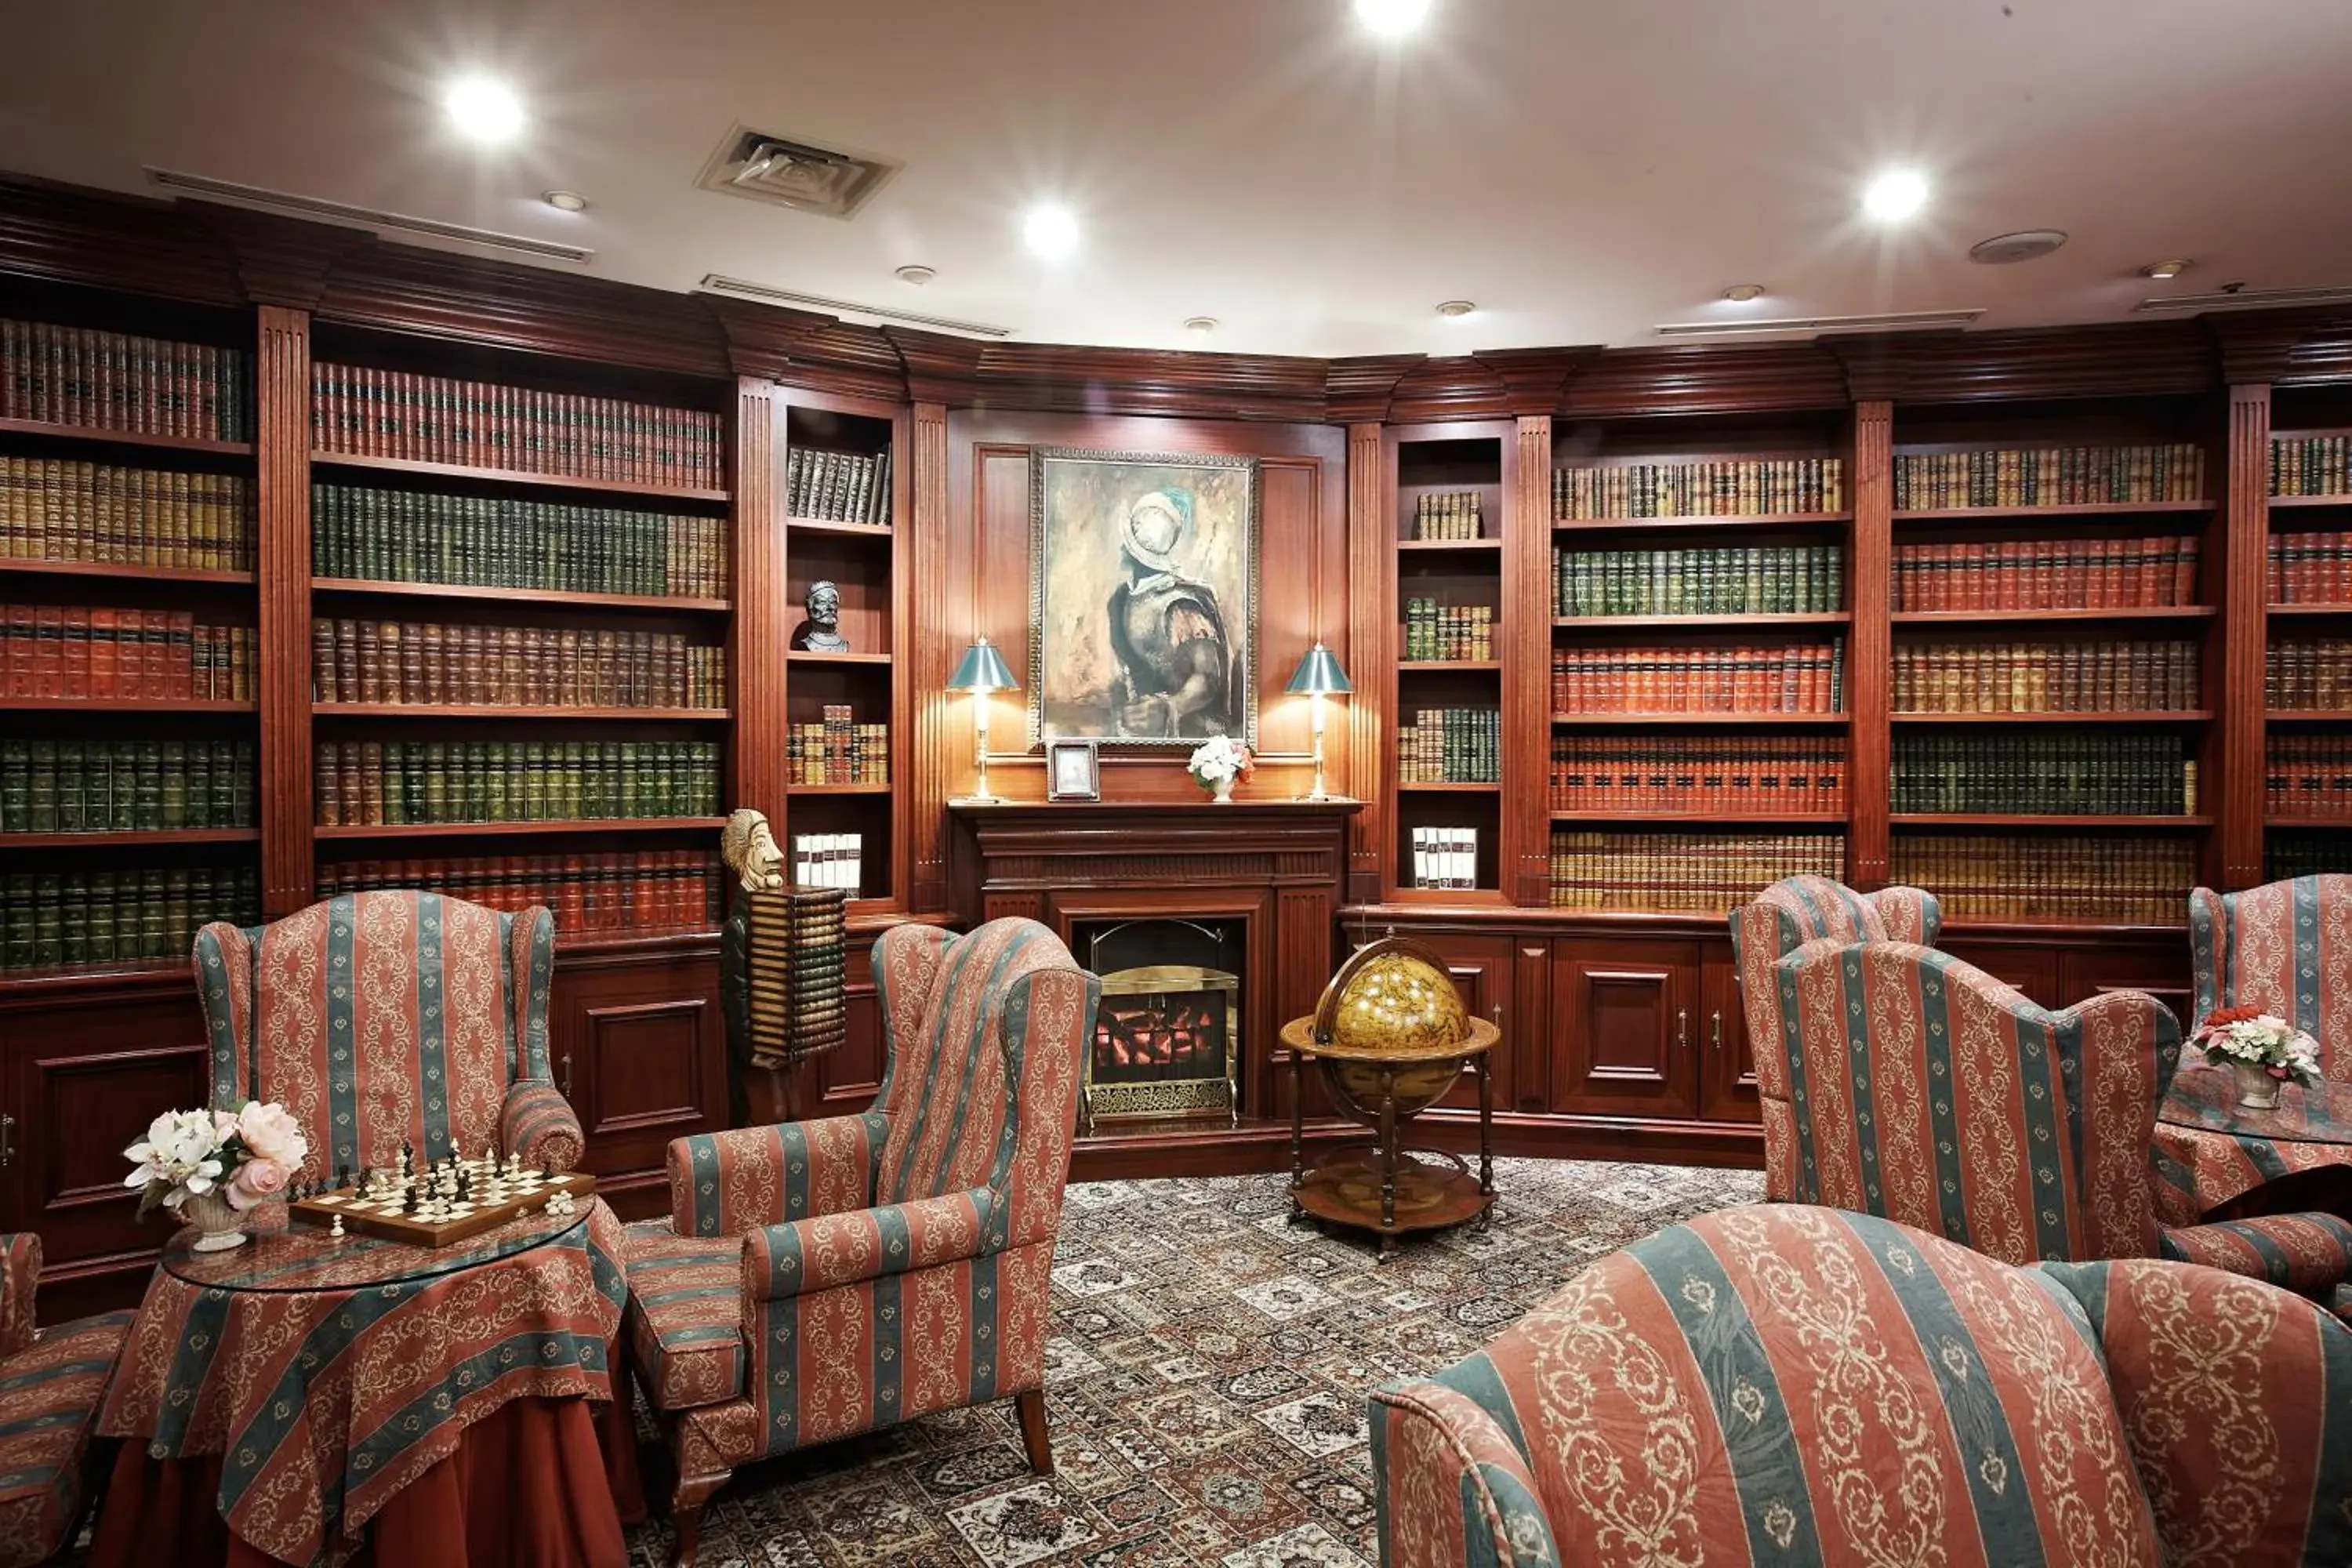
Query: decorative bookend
column 780, row 972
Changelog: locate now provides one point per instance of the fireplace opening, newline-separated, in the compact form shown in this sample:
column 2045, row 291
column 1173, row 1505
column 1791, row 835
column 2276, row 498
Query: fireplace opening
column 1167, row 1036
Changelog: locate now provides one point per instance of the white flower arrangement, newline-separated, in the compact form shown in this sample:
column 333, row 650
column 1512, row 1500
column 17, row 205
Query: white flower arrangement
column 245, row 1157
column 2256, row 1039
column 1219, row 760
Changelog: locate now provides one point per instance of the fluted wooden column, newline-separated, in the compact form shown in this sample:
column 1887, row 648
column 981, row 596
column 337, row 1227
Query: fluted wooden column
column 282, row 501
column 1525, row 869
column 761, row 624
column 1371, row 654
column 1870, row 648
column 2241, row 704
column 935, row 759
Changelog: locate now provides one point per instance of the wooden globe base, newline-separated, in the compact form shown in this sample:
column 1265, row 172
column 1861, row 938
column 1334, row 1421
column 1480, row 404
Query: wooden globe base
column 1428, row 1191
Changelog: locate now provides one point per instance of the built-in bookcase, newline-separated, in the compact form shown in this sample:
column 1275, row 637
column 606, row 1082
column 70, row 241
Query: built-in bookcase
column 128, row 774
column 2307, row 662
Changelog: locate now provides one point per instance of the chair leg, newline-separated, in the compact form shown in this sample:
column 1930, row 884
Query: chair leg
column 1034, row 1435
column 685, row 1502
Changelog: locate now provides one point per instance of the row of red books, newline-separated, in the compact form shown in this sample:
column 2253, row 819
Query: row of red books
column 80, row 652
column 1781, row 678
column 1707, row 873
column 2311, row 568
column 1735, row 773
column 2309, row 775
column 2314, row 672
column 659, row 890
column 2038, row 574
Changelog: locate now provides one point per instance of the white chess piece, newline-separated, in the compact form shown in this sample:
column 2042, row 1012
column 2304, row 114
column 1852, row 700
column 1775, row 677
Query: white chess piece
column 336, row 1229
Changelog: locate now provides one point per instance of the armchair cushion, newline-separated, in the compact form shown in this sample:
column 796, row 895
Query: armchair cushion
column 49, row 1395
column 725, row 1183
column 686, row 1315
column 20, row 1274
column 540, row 1125
column 1458, row 1489
column 2310, row 1254
column 812, row 1254
column 2284, row 947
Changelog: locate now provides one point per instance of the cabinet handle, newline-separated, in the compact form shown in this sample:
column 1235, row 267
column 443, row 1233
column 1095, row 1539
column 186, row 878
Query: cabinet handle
column 1715, row 1029
column 567, row 1074
column 8, row 1140
column 1682, row 1028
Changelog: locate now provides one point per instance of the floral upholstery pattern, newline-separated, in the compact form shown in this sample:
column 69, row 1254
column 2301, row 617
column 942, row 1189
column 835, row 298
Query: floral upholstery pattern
column 51, row 1384
column 1778, row 1383
column 1785, row 916
column 879, row 1266
column 387, row 1017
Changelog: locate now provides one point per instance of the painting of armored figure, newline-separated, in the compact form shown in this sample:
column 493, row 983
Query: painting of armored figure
column 1144, row 597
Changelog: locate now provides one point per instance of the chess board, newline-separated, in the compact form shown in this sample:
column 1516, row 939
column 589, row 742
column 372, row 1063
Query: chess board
column 493, row 1201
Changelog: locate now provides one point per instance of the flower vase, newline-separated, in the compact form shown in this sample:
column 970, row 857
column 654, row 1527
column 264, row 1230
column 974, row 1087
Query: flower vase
column 2257, row 1089
column 1224, row 795
column 222, row 1224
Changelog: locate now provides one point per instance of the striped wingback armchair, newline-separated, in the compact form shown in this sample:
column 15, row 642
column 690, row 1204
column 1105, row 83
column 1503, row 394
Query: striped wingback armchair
column 826, row 1277
column 1782, row 918
column 52, row 1383
column 388, row 1017
column 1793, row 1385
column 1927, row 1091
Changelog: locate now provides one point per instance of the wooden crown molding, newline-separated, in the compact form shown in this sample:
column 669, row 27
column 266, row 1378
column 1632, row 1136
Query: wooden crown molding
column 1702, row 379
column 2295, row 347
column 1535, row 381
column 2124, row 359
column 1356, row 390
column 279, row 261
column 72, row 235
column 1452, row 386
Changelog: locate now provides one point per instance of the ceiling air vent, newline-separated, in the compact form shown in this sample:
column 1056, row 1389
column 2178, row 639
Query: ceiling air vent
column 1808, row 326
column 2240, row 299
column 797, row 175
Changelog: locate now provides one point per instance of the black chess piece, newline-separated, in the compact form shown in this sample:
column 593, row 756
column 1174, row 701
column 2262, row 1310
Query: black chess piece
column 547, row 1168
column 367, row 1176
column 407, row 1157
column 344, row 1174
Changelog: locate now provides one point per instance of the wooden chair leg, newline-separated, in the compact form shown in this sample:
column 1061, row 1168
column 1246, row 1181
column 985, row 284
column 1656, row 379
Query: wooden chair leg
column 685, row 1502
column 1034, row 1435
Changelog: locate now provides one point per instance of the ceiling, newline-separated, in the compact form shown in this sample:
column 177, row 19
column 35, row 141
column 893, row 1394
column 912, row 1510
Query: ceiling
column 1583, row 171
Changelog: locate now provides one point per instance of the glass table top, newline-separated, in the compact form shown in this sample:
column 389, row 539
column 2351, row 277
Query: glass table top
column 2206, row 1097
column 281, row 1255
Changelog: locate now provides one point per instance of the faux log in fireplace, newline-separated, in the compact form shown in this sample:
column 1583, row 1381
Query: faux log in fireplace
column 1266, row 876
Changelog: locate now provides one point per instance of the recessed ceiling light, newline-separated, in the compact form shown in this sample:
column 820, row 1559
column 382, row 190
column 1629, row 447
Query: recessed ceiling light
column 1202, row 324
column 1051, row 229
column 565, row 200
column 1392, row 18
column 917, row 274
column 1894, row 194
column 2172, row 269
column 1455, row 310
column 1744, row 294
column 485, row 110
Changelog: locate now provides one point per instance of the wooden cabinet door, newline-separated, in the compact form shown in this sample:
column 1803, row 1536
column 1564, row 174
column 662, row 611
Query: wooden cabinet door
column 2033, row 970
column 1625, row 1035
column 639, row 1049
column 1727, row 1076
column 2162, row 972
column 1481, row 970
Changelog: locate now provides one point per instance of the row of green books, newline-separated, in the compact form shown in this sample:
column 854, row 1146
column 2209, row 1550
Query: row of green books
column 1750, row 580
column 369, row 784
column 2065, row 776
column 1450, row 745
column 490, row 541
column 124, row 787
column 52, row 920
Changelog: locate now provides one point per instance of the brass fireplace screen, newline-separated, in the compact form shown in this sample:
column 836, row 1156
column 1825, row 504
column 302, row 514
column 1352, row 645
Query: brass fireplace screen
column 1167, row 1043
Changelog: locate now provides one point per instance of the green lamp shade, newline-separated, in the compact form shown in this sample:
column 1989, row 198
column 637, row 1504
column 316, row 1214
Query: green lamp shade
column 983, row 669
column 1320, row 674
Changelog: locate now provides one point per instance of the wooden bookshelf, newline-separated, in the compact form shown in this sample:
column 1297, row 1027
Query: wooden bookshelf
column 154, row 705
column 1705, row 818
column 2310, row 715
column 556, row 827
column 2137, row 716
column 125, row 572
column 1759, row 621
column 2062, row 617
column 473, row 710
column 1774, row 521
column 1447, row 665
column 814, row 789
column 2045, row 819
column 1682, row 721
column 455, row 473
column 662, row 602
column 2292, row 502
column 96, row 436
column 2076, row 509
column 819, row 655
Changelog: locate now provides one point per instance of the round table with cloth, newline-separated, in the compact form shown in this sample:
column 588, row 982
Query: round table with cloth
column 2241, row 1161
column 305, row 1398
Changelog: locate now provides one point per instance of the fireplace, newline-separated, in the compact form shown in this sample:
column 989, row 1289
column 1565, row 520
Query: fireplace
column 1167, row 1039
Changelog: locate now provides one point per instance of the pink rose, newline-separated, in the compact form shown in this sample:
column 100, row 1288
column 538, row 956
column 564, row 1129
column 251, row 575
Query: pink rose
column 257, row 1181
column 269, row 1132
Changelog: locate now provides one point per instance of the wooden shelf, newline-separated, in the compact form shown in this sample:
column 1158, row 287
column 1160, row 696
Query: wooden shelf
column 2311, row 501
column 1705, row 818
column 520, row 595
column 1435, row 546
column 2111, row 613
column 882, row 788
column 165, row 705
column 812, row 656
column 843, row 530
column 1465, row 787
column 491, row 829
column 1481, row 898
column 1670, row 623
column 2312, row 610
column 2084, row 509
column 2145, row 716
column 1817, row 720
column 1430, row 665
column 125, row 572
column 2311, row 823
column 512, row 477
column 96, row 436
column 1747, row 520
column 468, row 710
column 131, row 839
column 2311, row 715
column 2053, row 819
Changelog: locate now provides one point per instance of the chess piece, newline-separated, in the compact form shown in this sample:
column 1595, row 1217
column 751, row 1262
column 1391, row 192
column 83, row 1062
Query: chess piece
column 336, row 1229
column 823, row 633
column 407, row 1158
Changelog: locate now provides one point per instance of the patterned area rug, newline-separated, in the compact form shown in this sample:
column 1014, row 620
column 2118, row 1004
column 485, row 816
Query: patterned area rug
column 1208, row 1373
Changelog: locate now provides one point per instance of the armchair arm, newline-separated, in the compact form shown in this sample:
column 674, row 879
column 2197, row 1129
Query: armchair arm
column 723, row 1184
column 1451, row 1486
column 2309, row 1253
column 538, row 1125
column 812, row 1254
column 1909, row 914
column 20, row 1272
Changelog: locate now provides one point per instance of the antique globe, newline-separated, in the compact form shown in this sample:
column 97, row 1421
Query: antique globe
column 1390, row 1024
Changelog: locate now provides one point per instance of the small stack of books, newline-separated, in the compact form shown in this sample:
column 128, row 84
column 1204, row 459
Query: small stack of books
column 838, row 486
column 112, row 381
column 1784, row 579
column 1746, row 486
column 2046, row 774
column 2309, row 775
column 371, row 784
column 2048, row 476
column 1450, row 745
column 57, row 510
column 1453, row 514
column 101, row 653
column 795, row 954
column 1449, row 633
column 52, row 920
column 829, row 861
column 1445, row 857
column 1682, row 872
column 2309, row 673
column 837, row 751
column 2052, row 575
column 2311, row 568
column 124, row 787
column 2075, row 878
column 1797, row 774
column 2311, row 464
column 402, row 662
column 488, row 541
column 1782, row 678
column 480, row 424
column 646, row 889
column 2045, row 678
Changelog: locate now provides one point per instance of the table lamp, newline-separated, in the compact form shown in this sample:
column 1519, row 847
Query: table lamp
column 983, row 671
column 1319, row 676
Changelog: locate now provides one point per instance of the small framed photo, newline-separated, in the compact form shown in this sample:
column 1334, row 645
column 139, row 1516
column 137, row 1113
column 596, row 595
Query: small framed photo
column 1073, row 771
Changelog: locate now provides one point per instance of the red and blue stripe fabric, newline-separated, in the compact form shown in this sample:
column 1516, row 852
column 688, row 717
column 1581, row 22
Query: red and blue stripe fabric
column 380, row 1018
column 51, row 1383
